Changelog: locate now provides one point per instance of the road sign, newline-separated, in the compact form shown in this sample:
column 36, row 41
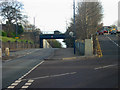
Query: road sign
column 16, row 37
column 51, row 36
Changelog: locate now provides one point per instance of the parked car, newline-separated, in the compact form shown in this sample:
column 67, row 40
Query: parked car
column 106, row 29
column 113, row 30
column 101, row 32
column 118, row 29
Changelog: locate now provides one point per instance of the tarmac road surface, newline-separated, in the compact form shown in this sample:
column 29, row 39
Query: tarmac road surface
column 80, row 73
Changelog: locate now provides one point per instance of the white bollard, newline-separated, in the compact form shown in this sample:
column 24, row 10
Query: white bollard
column 0, row 53
column 7, row 52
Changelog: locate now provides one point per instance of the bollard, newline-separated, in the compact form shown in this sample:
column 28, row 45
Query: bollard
column 0, row 53
column 7, row 53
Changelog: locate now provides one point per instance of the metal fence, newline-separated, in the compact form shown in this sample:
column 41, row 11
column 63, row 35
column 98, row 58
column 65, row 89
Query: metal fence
column 80, row 47
column 18, row 45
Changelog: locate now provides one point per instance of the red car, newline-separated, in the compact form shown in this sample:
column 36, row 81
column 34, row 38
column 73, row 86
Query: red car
column 105, row 31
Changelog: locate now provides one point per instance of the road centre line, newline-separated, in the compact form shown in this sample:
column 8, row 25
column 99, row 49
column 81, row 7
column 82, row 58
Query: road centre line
column 57, row 75
column 19, row 80
column 31, row 70
column 30, row 81
column 105, row 67
column 113, row 41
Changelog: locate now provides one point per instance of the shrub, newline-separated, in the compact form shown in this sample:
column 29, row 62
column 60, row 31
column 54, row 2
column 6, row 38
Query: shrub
column 4, row 33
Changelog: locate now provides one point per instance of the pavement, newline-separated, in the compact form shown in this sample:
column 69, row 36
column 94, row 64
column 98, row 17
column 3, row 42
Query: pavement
column 18, row 53
column 67, row 54
column 62, row 53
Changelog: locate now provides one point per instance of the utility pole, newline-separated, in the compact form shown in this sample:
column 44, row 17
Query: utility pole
column 0, row 24
column 35, row 33
column 16, row 27
column 34, row 22
column 66, row 25
column 74, row 29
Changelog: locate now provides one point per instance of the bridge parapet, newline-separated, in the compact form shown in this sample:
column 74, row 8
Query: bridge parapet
column 51, row 32
column 47, row 32
column 55, row 35
column 52, row 36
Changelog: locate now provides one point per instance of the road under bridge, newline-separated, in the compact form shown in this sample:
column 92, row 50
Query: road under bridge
column 52, row 36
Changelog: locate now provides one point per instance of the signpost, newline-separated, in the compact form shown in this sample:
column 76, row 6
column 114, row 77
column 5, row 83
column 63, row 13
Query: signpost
column 74, row 29
column 16, row 37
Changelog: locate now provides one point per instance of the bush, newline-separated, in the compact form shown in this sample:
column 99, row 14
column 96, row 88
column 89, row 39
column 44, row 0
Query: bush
column 20, row 29
column 11, row 35
column 4, row 33
column 54, row 43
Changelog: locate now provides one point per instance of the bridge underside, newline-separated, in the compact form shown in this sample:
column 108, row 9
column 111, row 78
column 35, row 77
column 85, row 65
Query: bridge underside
column 51, row 36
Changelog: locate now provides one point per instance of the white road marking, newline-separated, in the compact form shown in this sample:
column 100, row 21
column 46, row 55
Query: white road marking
column 25, row 86
column 62, row 74
column 14, row 84
column 30, row 81
column 11, row 86
column 57, row 75
column 24, row 75
column 105, row 66
column 19, row 80
column 31, row 70
column 113, row 41
column 21, row 77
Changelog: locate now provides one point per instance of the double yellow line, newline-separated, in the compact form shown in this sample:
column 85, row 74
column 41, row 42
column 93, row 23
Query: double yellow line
column 99, row 51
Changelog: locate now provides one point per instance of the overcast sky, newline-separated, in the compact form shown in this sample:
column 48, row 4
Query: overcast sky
column 49, row 15
column 52, row 15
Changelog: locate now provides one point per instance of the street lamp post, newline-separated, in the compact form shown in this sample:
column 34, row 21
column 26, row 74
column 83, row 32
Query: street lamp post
column 1, row 25
column 74, row 29
column 16, row 27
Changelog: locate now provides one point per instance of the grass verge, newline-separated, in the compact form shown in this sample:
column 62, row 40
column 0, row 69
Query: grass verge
column 6, row 39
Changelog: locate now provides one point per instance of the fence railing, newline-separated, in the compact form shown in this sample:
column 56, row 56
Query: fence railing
column 18, row 45
column 80, row 47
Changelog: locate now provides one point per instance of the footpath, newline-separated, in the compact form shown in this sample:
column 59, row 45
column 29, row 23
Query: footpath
column 18, row 53
column 66, row 54
column 59, row 54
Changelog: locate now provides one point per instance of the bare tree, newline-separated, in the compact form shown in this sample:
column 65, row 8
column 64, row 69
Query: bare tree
column 88, row 20
column 11, row 12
